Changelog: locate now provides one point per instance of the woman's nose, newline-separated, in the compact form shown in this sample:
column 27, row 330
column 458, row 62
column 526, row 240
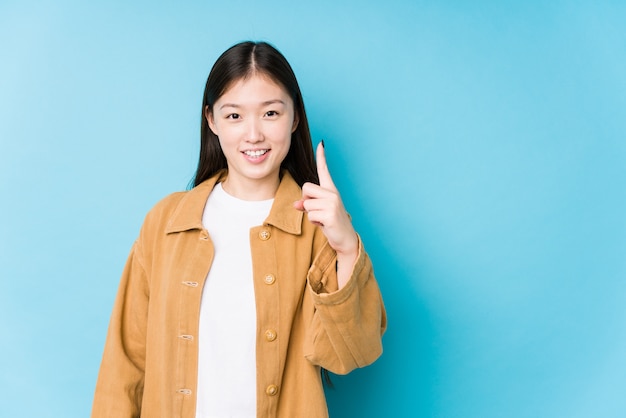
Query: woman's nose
column 254, row 133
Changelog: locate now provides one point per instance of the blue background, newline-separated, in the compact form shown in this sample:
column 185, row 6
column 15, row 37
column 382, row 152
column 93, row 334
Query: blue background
column 480, row 148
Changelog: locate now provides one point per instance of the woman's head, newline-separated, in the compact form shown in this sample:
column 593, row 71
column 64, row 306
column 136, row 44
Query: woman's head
column 242, row 62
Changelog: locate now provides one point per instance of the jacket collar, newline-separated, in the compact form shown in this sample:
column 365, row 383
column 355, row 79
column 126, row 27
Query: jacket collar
column 188, row 213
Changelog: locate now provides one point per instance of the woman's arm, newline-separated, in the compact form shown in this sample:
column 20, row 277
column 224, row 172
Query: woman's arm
column 349, row 317
column 348, row 323
column 119, row 388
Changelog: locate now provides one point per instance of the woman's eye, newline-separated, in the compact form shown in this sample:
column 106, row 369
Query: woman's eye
column 271, row 113
column 233, row 116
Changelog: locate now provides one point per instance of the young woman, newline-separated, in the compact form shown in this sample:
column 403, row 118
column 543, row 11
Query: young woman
column 238, row 292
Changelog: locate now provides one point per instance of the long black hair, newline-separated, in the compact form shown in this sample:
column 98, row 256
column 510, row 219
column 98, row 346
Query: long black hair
column 240, row 62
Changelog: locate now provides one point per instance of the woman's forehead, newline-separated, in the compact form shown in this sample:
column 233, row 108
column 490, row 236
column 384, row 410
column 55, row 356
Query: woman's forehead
column 257, row 88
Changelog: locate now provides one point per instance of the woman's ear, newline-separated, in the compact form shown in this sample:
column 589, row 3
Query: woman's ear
column 296, row 119
column 209, row 118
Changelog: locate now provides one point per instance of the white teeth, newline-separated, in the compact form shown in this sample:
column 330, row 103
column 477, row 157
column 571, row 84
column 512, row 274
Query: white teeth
column 256, row 153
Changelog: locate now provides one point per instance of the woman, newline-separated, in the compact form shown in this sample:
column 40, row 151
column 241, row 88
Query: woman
column 238, row 292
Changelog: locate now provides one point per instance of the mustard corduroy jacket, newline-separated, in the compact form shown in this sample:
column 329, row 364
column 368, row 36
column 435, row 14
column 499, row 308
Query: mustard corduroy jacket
column 150, row 360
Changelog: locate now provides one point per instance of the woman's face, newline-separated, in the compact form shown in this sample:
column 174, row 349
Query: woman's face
column 254, row 120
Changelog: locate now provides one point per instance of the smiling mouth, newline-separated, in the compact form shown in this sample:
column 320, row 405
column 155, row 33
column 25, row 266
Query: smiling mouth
column 256, row 153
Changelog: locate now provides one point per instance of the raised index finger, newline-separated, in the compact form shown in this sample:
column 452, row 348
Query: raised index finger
column 326, row 181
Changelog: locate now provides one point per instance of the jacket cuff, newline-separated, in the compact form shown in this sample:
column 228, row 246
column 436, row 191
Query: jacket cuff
column 322, row 277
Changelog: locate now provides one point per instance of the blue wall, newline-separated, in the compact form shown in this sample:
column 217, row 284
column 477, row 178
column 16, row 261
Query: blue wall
column 480, row 149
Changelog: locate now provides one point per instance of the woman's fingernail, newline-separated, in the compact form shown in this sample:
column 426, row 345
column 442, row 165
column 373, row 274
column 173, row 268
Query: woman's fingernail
column 323, row 144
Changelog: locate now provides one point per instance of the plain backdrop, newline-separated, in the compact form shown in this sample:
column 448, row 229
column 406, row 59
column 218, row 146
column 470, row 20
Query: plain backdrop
column 479, row 146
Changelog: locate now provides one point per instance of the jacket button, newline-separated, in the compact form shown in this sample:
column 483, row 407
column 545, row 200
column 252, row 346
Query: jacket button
column 269, row 279
column 264, row 235
column 270, row 335
column 190, row 284
column 272, row 390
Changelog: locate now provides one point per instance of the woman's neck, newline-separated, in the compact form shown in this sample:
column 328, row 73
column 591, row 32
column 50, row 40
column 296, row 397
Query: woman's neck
column 261, row 190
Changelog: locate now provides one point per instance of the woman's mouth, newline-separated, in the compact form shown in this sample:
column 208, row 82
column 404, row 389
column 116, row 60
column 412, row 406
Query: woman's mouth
column 256, row 156
column 255, row 153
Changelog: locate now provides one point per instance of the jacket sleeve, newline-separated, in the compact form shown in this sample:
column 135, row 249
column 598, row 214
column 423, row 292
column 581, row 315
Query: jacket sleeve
column 348, row 323
column 119, row 388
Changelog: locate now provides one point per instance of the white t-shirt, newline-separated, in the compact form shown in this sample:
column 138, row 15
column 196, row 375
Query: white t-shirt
column 227, row 335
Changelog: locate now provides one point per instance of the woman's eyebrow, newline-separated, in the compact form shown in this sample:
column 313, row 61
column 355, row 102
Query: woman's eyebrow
column 265, row 103
column 229, row 105
column 269, row 102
